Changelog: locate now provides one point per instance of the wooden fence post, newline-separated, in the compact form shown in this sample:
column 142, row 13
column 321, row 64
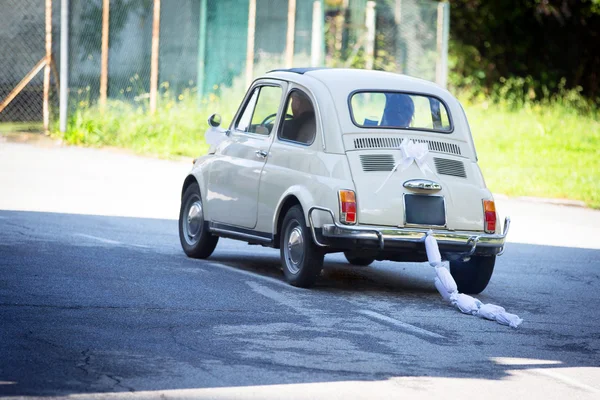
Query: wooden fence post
column 154, row 57
column 291, row 31
column 13, row 93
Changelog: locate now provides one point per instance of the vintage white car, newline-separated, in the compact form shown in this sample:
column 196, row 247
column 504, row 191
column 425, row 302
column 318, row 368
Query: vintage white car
column 363, row 162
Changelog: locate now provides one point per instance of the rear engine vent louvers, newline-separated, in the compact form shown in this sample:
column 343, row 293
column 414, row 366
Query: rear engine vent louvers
column 442, row 147
column 394, row 142
column 377, row 162
column 377, row 143
column 444, row 166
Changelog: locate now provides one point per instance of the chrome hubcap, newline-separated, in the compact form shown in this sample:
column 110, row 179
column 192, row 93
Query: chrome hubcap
column 294, row 250
column 194, row 221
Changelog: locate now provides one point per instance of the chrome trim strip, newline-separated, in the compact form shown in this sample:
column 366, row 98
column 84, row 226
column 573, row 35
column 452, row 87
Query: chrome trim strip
column 240, row 235
column 378, row 234
column 473, row 240
column 312, row 224
column 422, row 184
column 504, row 233
column 412, row 235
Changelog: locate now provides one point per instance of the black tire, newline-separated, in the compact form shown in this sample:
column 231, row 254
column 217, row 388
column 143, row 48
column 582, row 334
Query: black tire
column 360, row 261
column 474, row 275
column 301, row 258
column 196, row 240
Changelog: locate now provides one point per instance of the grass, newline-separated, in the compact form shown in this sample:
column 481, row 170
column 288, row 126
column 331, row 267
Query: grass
column 172, row 131
column 12, row 127
column 176, row 129
column 546, row 150
column 543, row 150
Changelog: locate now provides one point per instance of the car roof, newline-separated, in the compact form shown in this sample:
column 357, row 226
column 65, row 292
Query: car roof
column 347, row 80
column 300, row 71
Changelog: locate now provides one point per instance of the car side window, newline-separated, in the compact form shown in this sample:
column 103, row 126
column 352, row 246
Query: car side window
column 260, row 112
column 243, row 122
column 300, row 121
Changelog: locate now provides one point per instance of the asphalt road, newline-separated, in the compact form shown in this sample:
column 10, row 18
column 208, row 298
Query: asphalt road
column 97, row 300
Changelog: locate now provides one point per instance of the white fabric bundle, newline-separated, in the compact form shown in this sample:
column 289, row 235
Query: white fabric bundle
column 442, row 289
column 445, row 278
column 509, row 319
column 433, row 252
column 445, row 284
column 490, row 311
column 214, row 136
column 466, row 304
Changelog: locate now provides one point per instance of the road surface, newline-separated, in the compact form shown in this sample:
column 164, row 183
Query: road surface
column 97, row 300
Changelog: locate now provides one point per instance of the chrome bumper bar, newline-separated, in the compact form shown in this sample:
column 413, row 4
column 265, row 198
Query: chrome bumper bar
column 410, row 235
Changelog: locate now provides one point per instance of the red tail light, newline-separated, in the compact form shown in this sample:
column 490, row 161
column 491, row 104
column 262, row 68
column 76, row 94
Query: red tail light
column 489, row 210
column 347, row 207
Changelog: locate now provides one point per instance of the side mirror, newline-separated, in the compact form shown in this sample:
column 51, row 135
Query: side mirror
column 214, row 120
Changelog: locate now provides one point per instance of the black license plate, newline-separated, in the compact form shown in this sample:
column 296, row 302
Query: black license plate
column 425, row 210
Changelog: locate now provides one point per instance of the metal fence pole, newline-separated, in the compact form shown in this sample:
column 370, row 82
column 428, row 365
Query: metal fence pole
column 250, row 42
column 154, row 56
column 291, row 30
column 201, row 50
column 443, row 28
column 316, row 45
column 46, row 100
column 64, row 63
column 104, row 56
column 370, row 42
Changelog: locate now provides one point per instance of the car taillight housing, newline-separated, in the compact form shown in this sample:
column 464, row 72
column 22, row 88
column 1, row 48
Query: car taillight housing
column 489, row 211
column 347, row 207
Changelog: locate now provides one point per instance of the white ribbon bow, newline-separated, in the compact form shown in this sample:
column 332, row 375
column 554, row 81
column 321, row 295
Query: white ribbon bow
column 410, row 151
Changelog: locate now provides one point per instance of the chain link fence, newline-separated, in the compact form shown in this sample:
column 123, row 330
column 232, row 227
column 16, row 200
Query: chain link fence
column 209, row 48
column 410, row 36
column 22, row 45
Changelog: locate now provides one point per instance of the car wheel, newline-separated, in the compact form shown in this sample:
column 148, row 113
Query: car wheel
column 361, row 261
column 301, row 258
column 196, row 240
column 474, row 275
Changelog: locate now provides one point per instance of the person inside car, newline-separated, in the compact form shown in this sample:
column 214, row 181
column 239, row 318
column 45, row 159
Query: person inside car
column 399, row 110
column 302, row 127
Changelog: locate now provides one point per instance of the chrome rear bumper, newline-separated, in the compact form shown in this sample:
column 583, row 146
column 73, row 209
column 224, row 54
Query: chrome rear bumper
column 387, row 235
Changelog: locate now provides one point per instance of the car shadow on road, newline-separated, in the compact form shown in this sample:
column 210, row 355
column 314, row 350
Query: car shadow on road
column 93, row 304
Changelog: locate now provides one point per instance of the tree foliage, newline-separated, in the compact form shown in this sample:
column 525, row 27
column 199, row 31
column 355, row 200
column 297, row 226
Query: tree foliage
column 545, row 43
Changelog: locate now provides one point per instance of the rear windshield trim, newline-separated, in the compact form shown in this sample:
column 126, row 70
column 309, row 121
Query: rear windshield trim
column 401, row 92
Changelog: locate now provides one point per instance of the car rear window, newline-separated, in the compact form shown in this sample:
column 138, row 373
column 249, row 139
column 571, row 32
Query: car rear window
column 382, row 109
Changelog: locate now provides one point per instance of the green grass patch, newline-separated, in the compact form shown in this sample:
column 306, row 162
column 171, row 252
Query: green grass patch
column 549, row 150
column 12, row 127
column 176, row 129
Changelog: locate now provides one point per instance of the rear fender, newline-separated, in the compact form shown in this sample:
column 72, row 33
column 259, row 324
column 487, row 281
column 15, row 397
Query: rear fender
column 307, row 200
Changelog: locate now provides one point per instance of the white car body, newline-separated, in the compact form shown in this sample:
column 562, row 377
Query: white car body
column 248, row 181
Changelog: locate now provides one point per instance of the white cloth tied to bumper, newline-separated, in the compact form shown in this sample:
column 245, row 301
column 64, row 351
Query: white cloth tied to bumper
column 410, row 152
column 445, row 284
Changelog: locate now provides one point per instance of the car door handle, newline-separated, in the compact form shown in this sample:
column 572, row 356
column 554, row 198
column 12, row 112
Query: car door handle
column 261, row 153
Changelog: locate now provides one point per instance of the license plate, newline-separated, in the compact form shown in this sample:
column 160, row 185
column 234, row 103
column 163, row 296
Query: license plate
column 424, row 210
